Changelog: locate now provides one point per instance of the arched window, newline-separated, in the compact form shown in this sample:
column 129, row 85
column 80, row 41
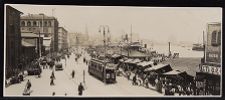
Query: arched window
column 45, row 23
column 219, row 38
column 28, row 23
column 22, row 23
column 50, row 23
column 34, row 23
column 40, row 23
column 216, row 38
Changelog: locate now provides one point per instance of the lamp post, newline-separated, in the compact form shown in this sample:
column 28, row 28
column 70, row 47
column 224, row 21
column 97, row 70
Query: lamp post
column 102, row 29
column 39, row 35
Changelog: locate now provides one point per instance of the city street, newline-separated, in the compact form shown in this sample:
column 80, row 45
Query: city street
column 65, row 85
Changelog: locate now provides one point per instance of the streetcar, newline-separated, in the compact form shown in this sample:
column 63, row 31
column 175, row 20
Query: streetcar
column 103, row 70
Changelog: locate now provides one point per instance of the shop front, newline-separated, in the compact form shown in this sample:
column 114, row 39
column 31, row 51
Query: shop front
column 208, row 80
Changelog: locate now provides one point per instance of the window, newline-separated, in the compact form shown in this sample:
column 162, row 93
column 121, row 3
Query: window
column 22, row 23
column 219, row 38
column 40, row 23
column 49, row 23
column 45, row 23
column 216, row 38
column 28, row 23
column 34, row 23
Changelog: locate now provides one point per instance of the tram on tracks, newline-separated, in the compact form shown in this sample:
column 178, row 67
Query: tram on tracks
column 103, row 70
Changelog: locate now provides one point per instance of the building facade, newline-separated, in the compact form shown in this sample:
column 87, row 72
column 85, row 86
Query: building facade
column 46, row 26
column 32, row 42
column 209, row 74
column 62, row 38
column 13, row 40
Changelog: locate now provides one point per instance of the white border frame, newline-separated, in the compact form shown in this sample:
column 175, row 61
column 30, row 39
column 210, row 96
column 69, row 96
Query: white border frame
column 134, row 96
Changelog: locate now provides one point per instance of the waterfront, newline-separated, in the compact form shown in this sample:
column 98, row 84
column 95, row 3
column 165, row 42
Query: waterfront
column 185, row 52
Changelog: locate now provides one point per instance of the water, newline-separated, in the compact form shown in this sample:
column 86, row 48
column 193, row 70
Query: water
column 183, row 51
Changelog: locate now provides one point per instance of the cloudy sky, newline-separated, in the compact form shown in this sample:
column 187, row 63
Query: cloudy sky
column 161, row 24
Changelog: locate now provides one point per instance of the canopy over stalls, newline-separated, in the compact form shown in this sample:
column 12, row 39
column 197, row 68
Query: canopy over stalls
column 128, row 60
column 116, row 56
column 135, row 61
column 145, row 63
column 173, row 72
column 160, row 68
column 123, row 59
column 179, row 75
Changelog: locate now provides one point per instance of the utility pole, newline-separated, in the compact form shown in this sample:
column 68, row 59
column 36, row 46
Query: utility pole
column 169, row 50
column 131, row 33
column 39, row 35
column 204, row 43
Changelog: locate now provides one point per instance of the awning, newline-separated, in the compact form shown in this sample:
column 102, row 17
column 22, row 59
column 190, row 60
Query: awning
column 122, row 59
column 145, row 63
column 26, row 44
column 136, row 61
column 115, row 56
column 160, row 68
column 173, row 72
column 128, row 60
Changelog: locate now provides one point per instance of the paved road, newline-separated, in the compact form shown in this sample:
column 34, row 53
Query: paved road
column 64, row 84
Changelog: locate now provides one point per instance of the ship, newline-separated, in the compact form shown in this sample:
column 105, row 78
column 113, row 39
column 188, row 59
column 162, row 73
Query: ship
column 198, row 47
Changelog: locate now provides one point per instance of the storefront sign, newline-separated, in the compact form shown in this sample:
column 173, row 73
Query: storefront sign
column 210, row 69
column 213, row 57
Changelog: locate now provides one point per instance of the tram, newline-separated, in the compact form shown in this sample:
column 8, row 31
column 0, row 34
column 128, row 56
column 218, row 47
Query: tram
column 103, row 70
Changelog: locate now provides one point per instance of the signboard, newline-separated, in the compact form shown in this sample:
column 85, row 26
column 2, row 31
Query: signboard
column 210, row 69
column 213, row 57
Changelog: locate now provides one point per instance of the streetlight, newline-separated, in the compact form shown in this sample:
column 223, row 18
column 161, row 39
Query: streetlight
column 39, row 35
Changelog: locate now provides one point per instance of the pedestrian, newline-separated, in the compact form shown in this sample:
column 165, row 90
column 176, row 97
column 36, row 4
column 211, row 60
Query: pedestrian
column 80, row 89
column 73, row 74
column 28, row 85
column 53, row 94
column 52, row 80
column 134, row 80
column 53, row 75
column 159, row 85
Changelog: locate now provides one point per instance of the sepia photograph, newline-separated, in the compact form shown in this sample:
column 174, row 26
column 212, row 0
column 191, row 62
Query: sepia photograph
column 112, row 51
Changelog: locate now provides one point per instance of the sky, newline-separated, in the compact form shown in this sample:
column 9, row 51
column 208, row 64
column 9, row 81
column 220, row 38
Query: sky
column 152, row 23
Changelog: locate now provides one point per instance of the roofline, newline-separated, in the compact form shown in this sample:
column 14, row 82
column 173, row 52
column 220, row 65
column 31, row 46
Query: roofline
column 14, row 9
column 214, row 23
column 63, row 28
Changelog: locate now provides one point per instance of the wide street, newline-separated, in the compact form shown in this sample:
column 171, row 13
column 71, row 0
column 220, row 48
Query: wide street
column 65, row 85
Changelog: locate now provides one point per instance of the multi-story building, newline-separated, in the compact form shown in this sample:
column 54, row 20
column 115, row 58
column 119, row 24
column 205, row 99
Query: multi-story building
column 62, row 38
column 13, row 40
column 209, row 74
column 32, row 45
column 45, row 25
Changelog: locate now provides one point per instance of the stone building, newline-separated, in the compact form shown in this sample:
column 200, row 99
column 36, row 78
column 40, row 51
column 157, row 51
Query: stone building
column 45, row 25
column 208, row 77
column 13, row 41
column 62, row 38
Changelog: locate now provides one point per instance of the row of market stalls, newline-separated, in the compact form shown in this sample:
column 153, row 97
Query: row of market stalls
column 153, row 69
